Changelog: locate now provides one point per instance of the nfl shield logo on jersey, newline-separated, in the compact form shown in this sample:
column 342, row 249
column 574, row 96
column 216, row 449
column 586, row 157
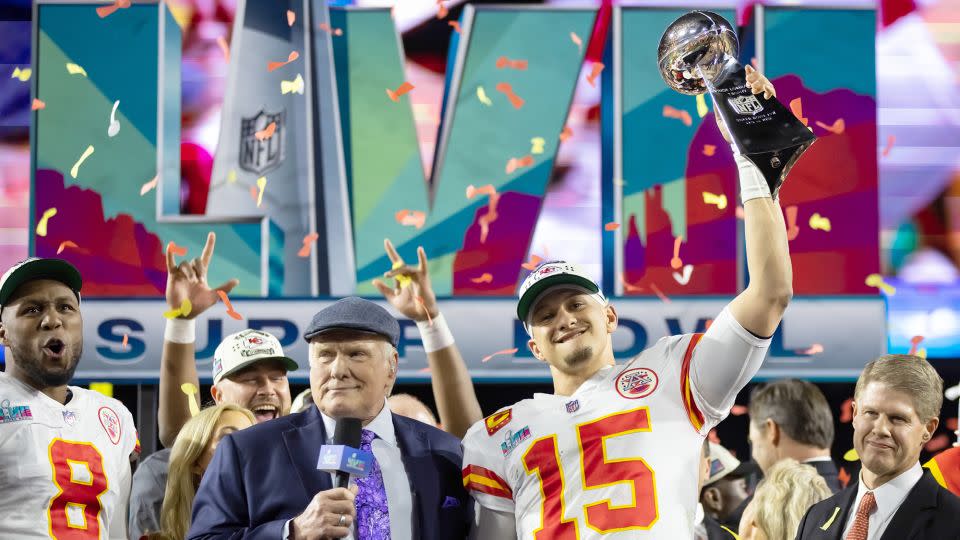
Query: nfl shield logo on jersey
column 111, row 424
column 573, row 406
column 70, row 418
column 637, row 383
column 745, row 105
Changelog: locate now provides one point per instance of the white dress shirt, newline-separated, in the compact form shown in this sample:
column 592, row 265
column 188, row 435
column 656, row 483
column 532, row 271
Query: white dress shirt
column 387, row 452
column 889, row 497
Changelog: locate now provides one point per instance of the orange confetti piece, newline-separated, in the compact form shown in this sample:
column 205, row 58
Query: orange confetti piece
column 290, row 58
column 326, row 28
column 837, row 128
column 64, row 245
column 505, row 351
column 266, row 132
column 627, row 286
column 612, row 226
column 816, row 348
column 106, row 11
column 148, row 185
column 676, row 263
column 914, row 343
column 709, row 149
column 846, row 411
column 491, row 215
column 455, row 25
column 179, row 251
column 706, row 325
column 38, row 105
column 291, row 17
column 308, row 241
column 507, row 90
column 222, row 42
column 595, row 70
column 664, row 298
column 533, row 263
column 253, row 193
column 566, row 133
column 401, row 90
column 414, row 218
column 125, row 340
column 576, row 40
column 504, row 62
column 844, row 477
column 797, row 108
column 792, row 229
column 518, row 163
column 890, row 140
column 486, row 277
column 230, row 311
column 673, row 112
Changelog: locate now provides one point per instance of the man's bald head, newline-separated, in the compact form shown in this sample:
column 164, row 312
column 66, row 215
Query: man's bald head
column 411, row 407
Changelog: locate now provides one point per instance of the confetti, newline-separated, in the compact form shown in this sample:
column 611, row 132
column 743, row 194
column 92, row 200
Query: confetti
column 455, row 25
column 739, row 212
column 844, row 477
column 914, row 343
column 937, row 443
column 326, row 28
column 295, row 86
column 518, row 163
column 185, row 308
column 291, row 17
column 507, row 90
column 253, row 193
column 818, row 222
column 533, row 263
column 491, row 215
column 846, row 411
column 922, row 353
column 576, row 40
column 792, row 229
column 837, row 127
column 797, row 108
column 290, row 58
column 414, row 218
column 486, row 277
column 42, row 224
column 224, row 46
column 672, row 112
column 74, row 69
column 684, row 278
column 482, row 96
column 537, row 145
column 504, row 62
column 851, row 455
column 178, row 251
column 659, row 293
column 266, row 132
column 232, row 176
column 739, row 410
column 105, row 388
column 612, row 226
column 719, row 200
column 38, row 105
column 423, row 306
column 75, row 170
column 709, row 150
column 675, row 262
column 114, row 127
column 23, row 75
column 595, row 70
column 402, row 280
column 505, row 351
column 308, row 241
column 261, row 185
column 106, row 11
column 890, row 140
column 230, row 311
column 702, row 108
column 627, row 286
column 148, row 185
column 816, row 348
column 401, row 90
column 566, row 133
column 64, row 245
column 876, row 280
column 126, row 339
column 191, row 390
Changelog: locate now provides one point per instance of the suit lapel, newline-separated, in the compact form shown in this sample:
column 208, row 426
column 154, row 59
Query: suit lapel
column 832, row 521
column 922, row 496
column 303, row 446
column 417, row 461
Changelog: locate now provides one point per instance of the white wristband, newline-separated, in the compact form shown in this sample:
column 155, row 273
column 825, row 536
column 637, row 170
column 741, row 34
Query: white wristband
column 182, row 331
column 435, row 336
column 752, row 183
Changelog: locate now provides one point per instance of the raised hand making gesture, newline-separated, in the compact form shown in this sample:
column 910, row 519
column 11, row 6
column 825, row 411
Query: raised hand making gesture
column 188, row 281
column 411, row 294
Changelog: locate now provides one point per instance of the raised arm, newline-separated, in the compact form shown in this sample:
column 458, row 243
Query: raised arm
column 452, row 387
column 187, row 280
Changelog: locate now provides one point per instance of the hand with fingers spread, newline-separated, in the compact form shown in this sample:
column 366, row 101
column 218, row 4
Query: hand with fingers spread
column 188, row 281
column 414, row 298
column 329, row 515
column 757, row 83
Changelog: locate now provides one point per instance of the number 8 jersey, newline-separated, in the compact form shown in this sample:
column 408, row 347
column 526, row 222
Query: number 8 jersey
column 65, row 469
column 619, row 458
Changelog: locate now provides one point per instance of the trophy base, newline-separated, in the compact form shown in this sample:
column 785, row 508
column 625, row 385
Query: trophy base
column 776, row 165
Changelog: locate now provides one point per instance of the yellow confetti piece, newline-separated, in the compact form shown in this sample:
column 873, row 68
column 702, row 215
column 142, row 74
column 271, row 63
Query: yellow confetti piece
column 922, row 353
column 702, row 108
column 819, row 222
column 42, row 224
column 482, row 96
column 401, row 279
column 876, row 280
column 537, row 143
column 22, row 74
column 191, row 390
column 261, row 184
column 851, row 455
column 295, row 86
column 186, row 307
column 232, row 176
column 719, row 200
column 75, row 170
column 104, row 388
column 74, row 69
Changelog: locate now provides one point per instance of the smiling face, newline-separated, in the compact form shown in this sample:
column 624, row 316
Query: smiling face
column 571, row 331
column 262, row 388
column 888, row 434
column 43, row 330
column 351, row 373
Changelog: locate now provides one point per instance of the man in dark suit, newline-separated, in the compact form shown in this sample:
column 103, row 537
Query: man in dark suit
column 896, row 407
column 263, row 482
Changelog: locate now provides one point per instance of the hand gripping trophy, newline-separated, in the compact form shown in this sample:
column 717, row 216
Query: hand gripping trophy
column 698, row 54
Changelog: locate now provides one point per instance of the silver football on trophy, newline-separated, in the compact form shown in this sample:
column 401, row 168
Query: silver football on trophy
column 699, row 44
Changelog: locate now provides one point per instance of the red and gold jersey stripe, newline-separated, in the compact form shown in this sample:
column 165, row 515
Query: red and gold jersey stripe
column 690, row 404
column 483, row 480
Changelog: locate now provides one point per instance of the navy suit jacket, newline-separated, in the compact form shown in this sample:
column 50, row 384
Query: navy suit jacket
column 263, row 476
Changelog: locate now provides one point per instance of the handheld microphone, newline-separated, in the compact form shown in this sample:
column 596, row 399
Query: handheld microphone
column 344, row 456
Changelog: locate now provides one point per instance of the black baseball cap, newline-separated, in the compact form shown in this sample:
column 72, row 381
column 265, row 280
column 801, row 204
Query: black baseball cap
column 36, row 268
column 353, row 313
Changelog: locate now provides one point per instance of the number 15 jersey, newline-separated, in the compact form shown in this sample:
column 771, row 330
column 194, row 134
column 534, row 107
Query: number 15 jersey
column 619, row 458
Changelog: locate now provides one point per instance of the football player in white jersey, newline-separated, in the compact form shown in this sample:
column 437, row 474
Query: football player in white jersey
column 613, row 453
column 64, row 451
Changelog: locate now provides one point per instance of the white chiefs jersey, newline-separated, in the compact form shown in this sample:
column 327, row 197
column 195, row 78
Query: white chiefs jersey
column 616, row 460
column 65, row 469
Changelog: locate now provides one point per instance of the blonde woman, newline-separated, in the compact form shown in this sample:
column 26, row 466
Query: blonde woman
column 190, row 457
column 781, row 500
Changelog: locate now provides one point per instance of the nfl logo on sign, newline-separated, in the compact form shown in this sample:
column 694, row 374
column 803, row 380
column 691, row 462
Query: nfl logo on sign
column 256, row 155
column 745, row 105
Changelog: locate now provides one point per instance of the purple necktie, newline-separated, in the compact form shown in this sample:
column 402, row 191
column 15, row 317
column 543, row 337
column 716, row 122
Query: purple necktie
column 373, row 513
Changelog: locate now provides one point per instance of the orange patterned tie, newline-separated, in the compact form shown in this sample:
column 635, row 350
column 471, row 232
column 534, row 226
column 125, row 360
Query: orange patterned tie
column 861, row 523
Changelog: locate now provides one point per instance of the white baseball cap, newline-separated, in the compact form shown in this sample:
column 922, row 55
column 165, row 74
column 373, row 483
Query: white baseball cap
column 549, row 275
column 723, row 464
column 246, row 348
column 36, row 268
